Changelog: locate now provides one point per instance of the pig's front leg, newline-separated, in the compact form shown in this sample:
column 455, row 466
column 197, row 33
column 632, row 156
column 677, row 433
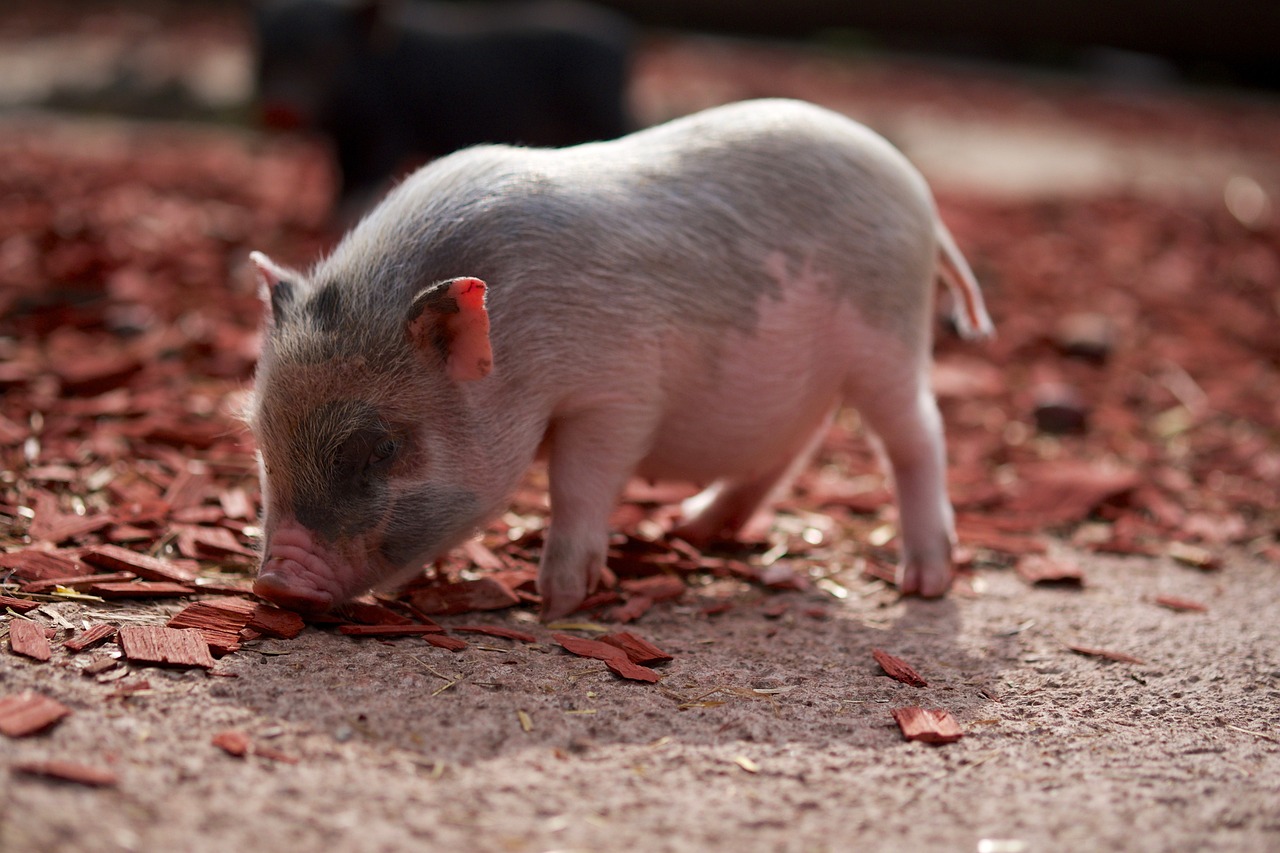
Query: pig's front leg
column 591, row 456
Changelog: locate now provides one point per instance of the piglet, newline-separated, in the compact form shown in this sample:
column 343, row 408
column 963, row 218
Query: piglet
column 690, row 302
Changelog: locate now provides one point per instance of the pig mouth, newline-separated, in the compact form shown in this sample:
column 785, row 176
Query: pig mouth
column 300, row 574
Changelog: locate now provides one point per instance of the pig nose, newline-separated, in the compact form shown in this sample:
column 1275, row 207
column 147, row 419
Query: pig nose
column 279, row 589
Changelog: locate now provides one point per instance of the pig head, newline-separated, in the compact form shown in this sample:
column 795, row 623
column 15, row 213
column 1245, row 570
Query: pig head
column 358, row 492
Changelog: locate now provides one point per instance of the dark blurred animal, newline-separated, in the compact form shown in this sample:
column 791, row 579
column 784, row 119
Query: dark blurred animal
column 395, row 84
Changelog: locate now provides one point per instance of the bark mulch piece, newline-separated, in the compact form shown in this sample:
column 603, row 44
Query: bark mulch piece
column 409, row 630
column 453, row 644
column 29, row 713
column 233, row 743
column 77, row 582
column 144, row 566
column 90, row 637
column 165, row 646
column 635, row 607
column 928, row 725
column 370, row 613
column 140, row 589
column 274, row 622
column 69, row 771
column 1184, row 605
column 463, row 597
column 29, row 640
column 21, row 605
column 218, row 621
column 1106, row 654
column 33, row 564
column 239, row 744
column 614, row 657
column 495, row 631
column 898, row 669
column 1069, row 491
column 656, row 588
column 638, row 649
column 1038, row 569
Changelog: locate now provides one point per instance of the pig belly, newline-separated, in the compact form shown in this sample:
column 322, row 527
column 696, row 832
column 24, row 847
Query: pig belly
column 756, row 400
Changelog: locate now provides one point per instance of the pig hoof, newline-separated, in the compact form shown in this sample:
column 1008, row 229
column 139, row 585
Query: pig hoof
column 279, row 590
column 927, row 581
column 554, row 609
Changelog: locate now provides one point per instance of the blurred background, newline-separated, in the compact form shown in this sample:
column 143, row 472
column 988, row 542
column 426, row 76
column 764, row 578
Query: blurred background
column 388, row 84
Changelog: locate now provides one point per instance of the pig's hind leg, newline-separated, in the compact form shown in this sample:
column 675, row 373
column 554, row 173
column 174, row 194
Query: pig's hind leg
column 722, row 510
column 901, row 411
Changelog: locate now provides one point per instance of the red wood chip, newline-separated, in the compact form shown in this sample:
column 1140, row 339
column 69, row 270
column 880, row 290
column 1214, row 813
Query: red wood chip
column 89, row 637
column 140, row 589
column 77, row 582
column 1173, row 602
column 600, row 599
column 21, row 605
column 142, row 565
column 28, row 639
column 928, row 725
column 1045, row 570
column 274, row 622
column 389, row 630
column 453, row 644
column 1120, row 657
column 495, row 631
column 187, row 489
column 614, row 658
column 28, row 713
column 1067, row 491
column 218, row 621
column 657, row 587
column 32, row 564
column 462, row 597
column 638, row 649
column 368, row 613
column 635, row 607
column 975, row 531
column 897, row 668
column 167, row 646
column 52, row 526
column 232, row 742
column 213, row 542
column 69, row 771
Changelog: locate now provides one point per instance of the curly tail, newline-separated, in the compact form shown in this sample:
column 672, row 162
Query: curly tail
column 971, row 316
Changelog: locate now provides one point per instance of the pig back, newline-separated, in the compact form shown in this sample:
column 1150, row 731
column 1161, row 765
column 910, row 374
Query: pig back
column 666, row 235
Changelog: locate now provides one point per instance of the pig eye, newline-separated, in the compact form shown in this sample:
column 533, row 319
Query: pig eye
column 383, row 452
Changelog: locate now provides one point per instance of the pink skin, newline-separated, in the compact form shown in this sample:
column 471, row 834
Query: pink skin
column 300, row 574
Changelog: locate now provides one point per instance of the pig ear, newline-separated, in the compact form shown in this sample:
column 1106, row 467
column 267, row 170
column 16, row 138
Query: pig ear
column 450, row 320
column 277, row 287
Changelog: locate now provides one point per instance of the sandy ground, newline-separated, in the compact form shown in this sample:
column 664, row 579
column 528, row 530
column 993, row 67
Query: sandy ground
column 404, row 746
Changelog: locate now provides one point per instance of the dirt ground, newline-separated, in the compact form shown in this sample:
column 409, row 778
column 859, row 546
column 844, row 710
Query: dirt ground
column 771, row 728
column 1061, row 752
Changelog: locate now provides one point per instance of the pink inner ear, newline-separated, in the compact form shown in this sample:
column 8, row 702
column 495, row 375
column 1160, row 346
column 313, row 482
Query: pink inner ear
column 470, row 355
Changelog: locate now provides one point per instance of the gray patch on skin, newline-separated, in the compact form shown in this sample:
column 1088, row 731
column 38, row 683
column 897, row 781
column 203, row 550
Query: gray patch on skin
column 326, row 307
column 281, row 299
column 428, row 520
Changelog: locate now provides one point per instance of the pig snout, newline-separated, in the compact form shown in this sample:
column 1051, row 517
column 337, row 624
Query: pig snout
column 298, row 575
